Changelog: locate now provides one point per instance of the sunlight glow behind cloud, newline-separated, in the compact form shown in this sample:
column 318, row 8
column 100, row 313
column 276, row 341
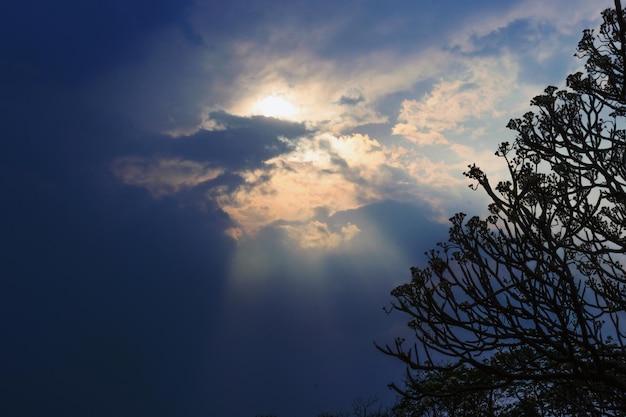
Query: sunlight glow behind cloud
column 275, row 106
column 330, row 94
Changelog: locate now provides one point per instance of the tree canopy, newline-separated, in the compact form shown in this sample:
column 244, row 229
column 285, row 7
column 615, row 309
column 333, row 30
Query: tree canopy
column 535, row 292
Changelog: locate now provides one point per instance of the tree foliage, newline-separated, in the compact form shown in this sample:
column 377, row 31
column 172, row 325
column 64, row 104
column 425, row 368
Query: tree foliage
column 469, row 392
column 535, row 292
column 362, row 407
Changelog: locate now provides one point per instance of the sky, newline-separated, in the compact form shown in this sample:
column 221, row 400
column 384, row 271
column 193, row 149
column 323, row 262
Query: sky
column 205, row 203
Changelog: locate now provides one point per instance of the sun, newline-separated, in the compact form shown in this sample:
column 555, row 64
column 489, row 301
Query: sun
column 275, row 106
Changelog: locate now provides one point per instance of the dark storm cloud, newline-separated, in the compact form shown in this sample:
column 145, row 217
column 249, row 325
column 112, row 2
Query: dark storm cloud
column 106, row 294
column 105, row 297
column 68, row 41
column 190, row 165
column 190, row 168
column 244, row 143
column 92, row 305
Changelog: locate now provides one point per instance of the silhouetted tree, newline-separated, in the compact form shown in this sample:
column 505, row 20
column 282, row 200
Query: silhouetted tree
column 535, row 292
column 462, row 404
column 489, row 395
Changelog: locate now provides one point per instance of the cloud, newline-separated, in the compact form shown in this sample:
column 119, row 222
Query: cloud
column 229, row 142
column 297, row 183
column 323, row 175
column 478, row 92
column 287, row 175
column 165, row 176
column 212, row 125
column 351, row 97
column 323, row 172
column 311, row 59
column 316, row 234
column 331, row 94
column 451, row 106
column 566, row 16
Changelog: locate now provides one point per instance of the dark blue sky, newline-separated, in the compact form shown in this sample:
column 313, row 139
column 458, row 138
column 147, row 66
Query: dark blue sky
column 205, row 203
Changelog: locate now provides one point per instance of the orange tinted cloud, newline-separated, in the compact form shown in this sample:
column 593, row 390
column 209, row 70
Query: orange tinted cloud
column 477, row 93
column 317, row 234
column 324, row 172
column 163, row 176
